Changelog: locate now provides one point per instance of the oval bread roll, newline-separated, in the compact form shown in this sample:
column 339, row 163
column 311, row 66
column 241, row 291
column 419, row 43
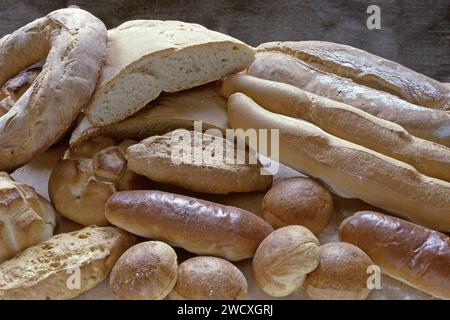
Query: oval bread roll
column 209, row 278
column 146, row 271
column 199, row 226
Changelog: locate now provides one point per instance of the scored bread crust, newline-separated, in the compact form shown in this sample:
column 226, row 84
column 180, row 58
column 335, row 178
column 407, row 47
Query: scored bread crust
column 147, row 57
column 350, row 170
column 74, row 42
column 369, row 70
column 167, row 113
column 44, row 271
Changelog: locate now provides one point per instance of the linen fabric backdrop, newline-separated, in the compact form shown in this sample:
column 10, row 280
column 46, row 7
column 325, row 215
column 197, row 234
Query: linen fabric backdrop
column 415, row 33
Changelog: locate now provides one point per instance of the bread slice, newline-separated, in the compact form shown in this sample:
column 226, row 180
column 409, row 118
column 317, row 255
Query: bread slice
column 175, row 158
column 167, row 113
column 45, row 271
column 147, row 57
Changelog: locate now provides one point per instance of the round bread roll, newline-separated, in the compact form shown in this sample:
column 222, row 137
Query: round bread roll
column 209, row 278
column 146, row 271
column 299, row 201
column 284, row 258
column 82, row 182
column 341, row 275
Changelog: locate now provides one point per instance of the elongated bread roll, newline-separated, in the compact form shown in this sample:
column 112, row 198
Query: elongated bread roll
column 283, row 66
column 350, row 170
column 415, row 255
column 199, row 226
column 369, row 70
column 345, row 122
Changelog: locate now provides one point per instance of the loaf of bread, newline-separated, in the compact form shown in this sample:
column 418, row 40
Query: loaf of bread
column 369, row 70
column 26, row 218
column 199, row 226
column 415, row 255
column 345, row 122
column 64, row 266
column 175, row 158
column 147, row 57
column 285, row 66
column 350, row 170
column 167, row 113
column 81, row 182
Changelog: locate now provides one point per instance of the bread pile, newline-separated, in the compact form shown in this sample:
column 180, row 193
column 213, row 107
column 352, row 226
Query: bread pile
column 139, row 95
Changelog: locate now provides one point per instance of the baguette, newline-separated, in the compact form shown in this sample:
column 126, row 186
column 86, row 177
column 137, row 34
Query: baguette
column 350, row 170
column 369, row 70
column 425, row 123
column 345, row 122
column 412, row 254
column 201, row 227
column 45, row 271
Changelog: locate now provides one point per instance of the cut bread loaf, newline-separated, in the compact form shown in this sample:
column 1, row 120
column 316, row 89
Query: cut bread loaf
column 64, row 266
column 147, row 57
column 167, row 113
column 207, row 167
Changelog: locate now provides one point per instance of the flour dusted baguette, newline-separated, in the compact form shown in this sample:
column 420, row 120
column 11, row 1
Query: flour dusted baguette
column 199, row 226
column 345, row 122
column 415, row 255
column 46, row 270
column 284, row 66
column 369, row 70
column 349, row 169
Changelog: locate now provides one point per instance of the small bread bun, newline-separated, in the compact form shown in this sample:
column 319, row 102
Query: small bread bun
column 341, row 275
column 300, row 201
column 147, row 271
column 209, row 278
column 284, row 258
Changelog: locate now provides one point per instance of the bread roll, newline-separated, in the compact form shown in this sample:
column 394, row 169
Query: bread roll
column 167, row 113
column 74, row 44
column 298, row 201
column 369, row 70
column 147, row 57
column 209, row 278
column 345, row 122
column 146, row 271
column 341, row 274
column 284, row 258
column 176, row 159
column 199, row 226
column 422, row 122
column 64, row 266
column 415, row 255
column 81, row 183
column 26, row 218
column 348, row 169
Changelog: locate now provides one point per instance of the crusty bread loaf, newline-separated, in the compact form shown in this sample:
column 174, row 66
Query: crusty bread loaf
column 64, row 266
column 199, row 226
column 167, row 113
column 205, row 168
column 283, row 66
column 350, row 170
column 369, row 70
column 147, row 57
column 26, row 218
column 345, row 122
column 74, row 42
column 415, row 255
column 81, row 183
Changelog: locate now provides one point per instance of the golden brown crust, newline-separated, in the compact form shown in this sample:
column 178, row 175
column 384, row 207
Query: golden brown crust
column 209, row 278
column 146, row 271
column 415, row 255
column 199, row 226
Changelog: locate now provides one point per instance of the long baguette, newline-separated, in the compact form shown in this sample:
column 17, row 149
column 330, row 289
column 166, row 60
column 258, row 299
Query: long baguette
column 345, row 122
column 415, row 255
column 350, row 170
